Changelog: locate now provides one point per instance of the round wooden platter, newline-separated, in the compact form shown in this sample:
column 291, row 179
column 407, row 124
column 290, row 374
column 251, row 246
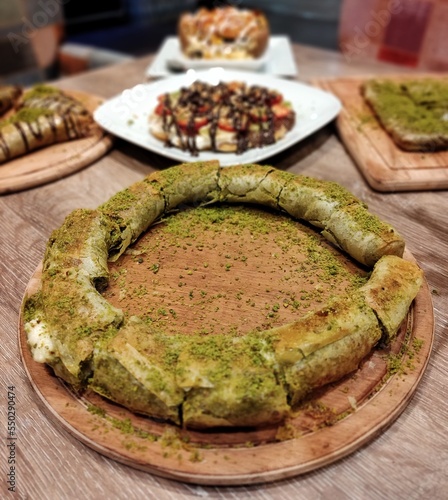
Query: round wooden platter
column 56, row 161
column 251, row 272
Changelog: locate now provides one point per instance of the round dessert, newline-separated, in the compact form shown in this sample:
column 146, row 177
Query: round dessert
column 223, row 33
column 205, row 379
column 229, row 117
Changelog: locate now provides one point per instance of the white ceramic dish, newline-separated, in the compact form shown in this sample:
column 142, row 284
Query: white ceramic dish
column 126, row 115
column 277, row 60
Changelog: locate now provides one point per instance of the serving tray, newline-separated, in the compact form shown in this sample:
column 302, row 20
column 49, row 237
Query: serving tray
column 385, row 166
column 59, row 160
column 278, row 60
column 249, row 268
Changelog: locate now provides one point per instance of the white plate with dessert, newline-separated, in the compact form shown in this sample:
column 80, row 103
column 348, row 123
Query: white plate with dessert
column 128, row 114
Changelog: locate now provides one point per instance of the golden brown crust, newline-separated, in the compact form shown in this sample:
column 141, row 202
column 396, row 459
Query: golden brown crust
column 389, row 292
column 261, row 40
column 223, row 33
column 182, row 33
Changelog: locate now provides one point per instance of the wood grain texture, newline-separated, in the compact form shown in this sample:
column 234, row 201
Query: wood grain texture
column 385, row 166
column 407, row 460
column 56, row 161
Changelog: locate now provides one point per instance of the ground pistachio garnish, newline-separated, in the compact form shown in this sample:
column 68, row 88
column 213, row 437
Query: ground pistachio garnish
column 27, row 116
column 402, row 362
column 418, row 106
column 228, row 269
column 364, row 119
column 171, row 440
column 125, row 425
column 40, row 90
column 286, row 431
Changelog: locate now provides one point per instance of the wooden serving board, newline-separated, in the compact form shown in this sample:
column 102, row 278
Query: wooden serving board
column 385, row 166
column 56, row 161
column 233, row 280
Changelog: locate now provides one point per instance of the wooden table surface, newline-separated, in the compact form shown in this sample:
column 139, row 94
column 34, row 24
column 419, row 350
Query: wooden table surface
column 408, row 460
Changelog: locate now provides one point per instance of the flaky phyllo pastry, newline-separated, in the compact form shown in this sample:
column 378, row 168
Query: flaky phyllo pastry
column 42, row 116
column 213, row 380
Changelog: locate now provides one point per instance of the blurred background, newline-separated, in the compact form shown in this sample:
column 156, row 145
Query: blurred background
column 46, row 39
column 47, row 33
column 138, row 26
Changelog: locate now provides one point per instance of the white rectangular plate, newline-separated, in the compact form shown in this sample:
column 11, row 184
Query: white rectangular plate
column 126, row 115
column 277, row 60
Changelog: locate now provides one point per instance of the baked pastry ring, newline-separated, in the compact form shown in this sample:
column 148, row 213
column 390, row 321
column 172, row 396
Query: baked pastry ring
column 214, row 380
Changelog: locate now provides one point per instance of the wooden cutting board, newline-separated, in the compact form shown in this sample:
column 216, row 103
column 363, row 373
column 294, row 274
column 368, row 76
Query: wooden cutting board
column 56, row 161
column 227, row 278
column 385, row 166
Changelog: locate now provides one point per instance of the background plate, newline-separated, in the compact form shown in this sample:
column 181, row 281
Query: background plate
column 126, row 115
column 278, row 60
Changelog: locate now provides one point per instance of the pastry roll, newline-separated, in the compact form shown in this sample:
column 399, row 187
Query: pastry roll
column 70, row 312
column 230, row 382
column 393, row 285
column 136, row 368
column 44, row 117
column 325, row 345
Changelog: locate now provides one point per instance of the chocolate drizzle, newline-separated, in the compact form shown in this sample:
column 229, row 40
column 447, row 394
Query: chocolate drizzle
column 234, row 107
column 4, row 146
